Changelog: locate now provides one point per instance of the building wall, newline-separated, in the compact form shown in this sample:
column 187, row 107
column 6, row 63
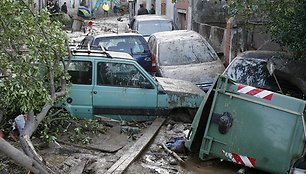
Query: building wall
column 209, row 18
column 181, row 14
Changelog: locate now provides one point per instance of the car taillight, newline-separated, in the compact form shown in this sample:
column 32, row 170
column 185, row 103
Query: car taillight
column 153, row 64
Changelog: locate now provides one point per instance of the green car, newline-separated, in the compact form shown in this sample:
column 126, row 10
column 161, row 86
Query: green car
column 112, row 84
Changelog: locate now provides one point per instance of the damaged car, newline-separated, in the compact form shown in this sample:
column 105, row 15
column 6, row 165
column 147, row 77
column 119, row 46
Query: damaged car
column 270, row 70
column 185, row 55
column 112, row 84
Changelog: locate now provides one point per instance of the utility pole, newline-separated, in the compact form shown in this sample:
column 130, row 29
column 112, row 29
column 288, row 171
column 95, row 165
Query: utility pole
column 189, row 15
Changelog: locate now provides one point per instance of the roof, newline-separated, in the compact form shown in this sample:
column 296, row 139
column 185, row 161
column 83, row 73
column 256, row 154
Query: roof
column 105, row 54
column 261, row 54
column 151, row 17
column 119, row 34
column 168, row 36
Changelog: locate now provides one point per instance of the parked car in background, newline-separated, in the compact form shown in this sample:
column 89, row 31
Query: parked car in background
column 185, row 55
column 149, row 24
column 251, row 68
column 112, row 84
column 131, row 43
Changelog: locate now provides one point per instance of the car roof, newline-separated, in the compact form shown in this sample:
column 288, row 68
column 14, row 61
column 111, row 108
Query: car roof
column 261, row 54
column 168, row 36
column 151, row 17
column 104, row 54
column 115, row 35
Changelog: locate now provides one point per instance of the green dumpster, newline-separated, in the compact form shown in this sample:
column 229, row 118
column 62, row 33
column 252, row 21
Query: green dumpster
column 249, row 126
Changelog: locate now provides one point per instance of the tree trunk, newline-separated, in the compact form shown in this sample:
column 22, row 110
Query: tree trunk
column 26, row 143
column 18, row 156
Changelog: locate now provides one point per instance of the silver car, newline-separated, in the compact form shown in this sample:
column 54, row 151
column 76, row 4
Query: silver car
column 185, row 55
column 149, row 24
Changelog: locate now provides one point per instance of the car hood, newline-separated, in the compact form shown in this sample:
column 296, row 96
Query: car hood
column 179, row 86
column 195, row 73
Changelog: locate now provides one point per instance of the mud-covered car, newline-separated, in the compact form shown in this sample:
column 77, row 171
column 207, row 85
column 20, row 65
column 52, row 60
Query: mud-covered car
column 185, row 55
column 114, row 85
column 252, row 68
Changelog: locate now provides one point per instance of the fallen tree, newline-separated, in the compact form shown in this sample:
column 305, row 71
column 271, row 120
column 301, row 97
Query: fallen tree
column 34, row 74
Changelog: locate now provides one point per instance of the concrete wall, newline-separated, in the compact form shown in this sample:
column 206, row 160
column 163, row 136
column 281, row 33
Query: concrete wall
column 209, row 18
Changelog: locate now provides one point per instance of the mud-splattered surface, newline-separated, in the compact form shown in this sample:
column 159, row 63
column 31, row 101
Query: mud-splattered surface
column 117, row 140
column 91, row 158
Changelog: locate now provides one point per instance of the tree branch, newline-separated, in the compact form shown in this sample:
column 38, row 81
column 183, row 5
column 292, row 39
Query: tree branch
column 1, row 115
column 19, row 157
column 52, row 84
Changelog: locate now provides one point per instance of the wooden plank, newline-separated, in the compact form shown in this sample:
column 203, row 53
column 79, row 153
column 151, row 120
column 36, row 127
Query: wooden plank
column 79, row 168
column 122, row 164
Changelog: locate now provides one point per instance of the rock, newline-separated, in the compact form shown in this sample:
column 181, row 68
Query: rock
column 173, row 161
column 169, row 127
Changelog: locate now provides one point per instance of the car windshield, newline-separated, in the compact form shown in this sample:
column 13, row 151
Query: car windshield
column 183, row 52
column 252, row 72
column 128, row 44
column 146, row 28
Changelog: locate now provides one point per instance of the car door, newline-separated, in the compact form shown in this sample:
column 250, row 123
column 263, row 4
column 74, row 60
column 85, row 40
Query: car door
column 80, row 93
column 123, row 89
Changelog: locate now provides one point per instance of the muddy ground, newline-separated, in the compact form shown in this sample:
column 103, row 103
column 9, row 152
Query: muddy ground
column 106, row 148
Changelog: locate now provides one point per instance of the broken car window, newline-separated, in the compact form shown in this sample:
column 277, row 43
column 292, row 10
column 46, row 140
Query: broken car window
column 254, row 72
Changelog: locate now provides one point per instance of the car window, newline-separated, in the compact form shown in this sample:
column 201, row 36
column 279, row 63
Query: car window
column 121, row 75
column 252, row 72
column 80, row 72
column 146, row 28
column 128, row 44
column 184, row 52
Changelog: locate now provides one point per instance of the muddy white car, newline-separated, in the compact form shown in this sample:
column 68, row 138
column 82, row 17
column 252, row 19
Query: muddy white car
column 185, row 55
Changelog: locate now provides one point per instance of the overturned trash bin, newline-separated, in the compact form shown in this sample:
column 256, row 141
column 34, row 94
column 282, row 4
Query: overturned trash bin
column 250, row 126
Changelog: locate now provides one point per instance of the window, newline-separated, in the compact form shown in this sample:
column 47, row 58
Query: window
column 146, row 28
column 80, row 72
column 128, row 44
column 121, row 75
column 184, row 52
